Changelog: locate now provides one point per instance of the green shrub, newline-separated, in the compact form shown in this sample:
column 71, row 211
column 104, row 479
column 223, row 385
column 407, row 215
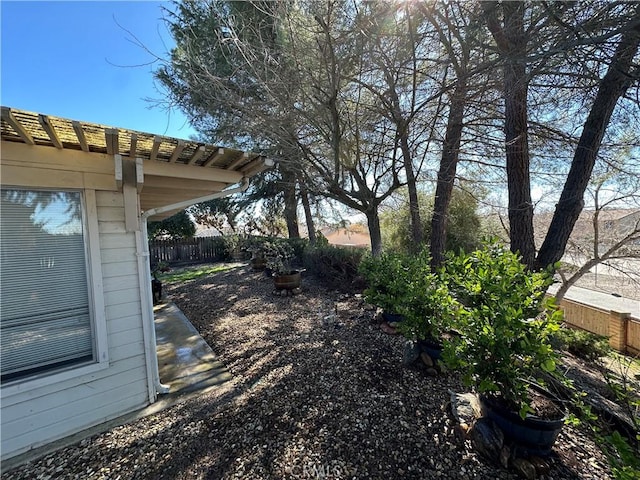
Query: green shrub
column 426, row 304
column 581, row 343
column 298, row 245
column 505, row 323
column 335, row 267
column 234, row 245
column 279, row 255
column 463, row 224
column 386, row 277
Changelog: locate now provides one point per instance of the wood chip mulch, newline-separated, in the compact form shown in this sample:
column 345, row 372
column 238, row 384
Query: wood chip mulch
column 319, row 392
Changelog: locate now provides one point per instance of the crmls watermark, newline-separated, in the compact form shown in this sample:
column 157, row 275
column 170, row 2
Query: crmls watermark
column 319, row 471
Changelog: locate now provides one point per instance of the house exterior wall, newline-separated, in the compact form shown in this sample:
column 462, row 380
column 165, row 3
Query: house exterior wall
column 37, row 411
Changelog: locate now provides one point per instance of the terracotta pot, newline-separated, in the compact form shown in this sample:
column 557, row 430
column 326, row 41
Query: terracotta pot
column 287, row 282
column 258, row 263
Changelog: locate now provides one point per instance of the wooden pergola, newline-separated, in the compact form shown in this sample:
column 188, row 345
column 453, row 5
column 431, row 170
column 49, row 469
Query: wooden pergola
column 164, row 170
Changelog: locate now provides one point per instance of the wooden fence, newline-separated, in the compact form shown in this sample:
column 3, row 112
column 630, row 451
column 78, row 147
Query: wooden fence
column 184, row 251
column 622, row 329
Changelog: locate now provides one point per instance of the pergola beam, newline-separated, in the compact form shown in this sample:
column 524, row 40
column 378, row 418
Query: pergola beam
column 193, row 172
column 181, row 183
column 238, row 161
column 213, row 157
column 253, row 163
column 177, row 151
column 8, row 117
column 111, row 138
column 264, row 165
column 134, row 145
column 82, row 139
column 50, row 130
column 156, row 146
column 197, row 155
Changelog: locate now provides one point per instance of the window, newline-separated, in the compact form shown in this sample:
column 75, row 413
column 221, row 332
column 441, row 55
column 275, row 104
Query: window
column 45, row 320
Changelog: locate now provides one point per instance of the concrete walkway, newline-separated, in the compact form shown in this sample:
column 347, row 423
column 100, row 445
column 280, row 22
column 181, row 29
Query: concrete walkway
column 602, row 301
column 185, row 361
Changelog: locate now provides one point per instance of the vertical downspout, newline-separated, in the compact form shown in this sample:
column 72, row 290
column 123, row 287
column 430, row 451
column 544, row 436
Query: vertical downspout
column 148, row 327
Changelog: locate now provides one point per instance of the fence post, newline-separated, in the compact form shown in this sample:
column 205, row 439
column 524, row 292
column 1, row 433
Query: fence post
column 618, row 330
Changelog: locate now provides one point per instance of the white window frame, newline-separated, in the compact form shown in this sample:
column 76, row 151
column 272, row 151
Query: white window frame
column 96, row 306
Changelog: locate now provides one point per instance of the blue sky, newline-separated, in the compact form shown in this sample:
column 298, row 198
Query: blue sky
column 72, row 60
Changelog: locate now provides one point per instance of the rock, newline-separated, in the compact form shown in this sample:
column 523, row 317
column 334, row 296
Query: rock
column 524, row 468
column 505, row 456
column 432, row 372
column 541, row 465
column 465, row 407
column 386, row 328
column 410, row 353
column 487, row 439
column 426, row 359
column 460, row 432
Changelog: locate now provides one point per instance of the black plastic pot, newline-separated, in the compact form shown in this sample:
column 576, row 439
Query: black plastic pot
column 392, row 317
column 431, row 348
column 534, row 435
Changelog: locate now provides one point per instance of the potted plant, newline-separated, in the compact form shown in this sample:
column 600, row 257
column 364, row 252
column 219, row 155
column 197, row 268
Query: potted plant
column 279, row 256
column 387, row 278
column 258, row 258
column 505, row 324
column 234, row 246
column 428, row 310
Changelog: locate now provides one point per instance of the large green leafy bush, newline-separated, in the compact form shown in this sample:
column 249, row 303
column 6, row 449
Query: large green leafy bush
column 387, row 277
column 505, row 323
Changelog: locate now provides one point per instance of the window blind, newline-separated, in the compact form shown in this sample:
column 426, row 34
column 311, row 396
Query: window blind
column 45, row 318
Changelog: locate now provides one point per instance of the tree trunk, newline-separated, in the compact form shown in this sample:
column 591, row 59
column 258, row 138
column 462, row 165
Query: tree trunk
column 311, row 228
column 614, row 84
column 511, row 40
column 516, row 135
column 447, row 173
column 417, row 234
column 373, row 221
column 290, row 204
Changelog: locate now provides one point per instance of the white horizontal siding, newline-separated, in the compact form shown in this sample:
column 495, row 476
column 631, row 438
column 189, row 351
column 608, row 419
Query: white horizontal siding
column 80, row 382
column 111, row 214
column 123, row 401
column 121, row 268
column 117, row 310
column 109, row 199
column 40, row 415
column 110, row 255
column 123, row 324
column 50, row 409
column 126, row 351
column 117, row 241
column 111, row 227
column 120, row 282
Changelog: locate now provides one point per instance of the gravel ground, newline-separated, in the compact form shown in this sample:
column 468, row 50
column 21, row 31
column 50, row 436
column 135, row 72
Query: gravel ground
column 319, row 392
